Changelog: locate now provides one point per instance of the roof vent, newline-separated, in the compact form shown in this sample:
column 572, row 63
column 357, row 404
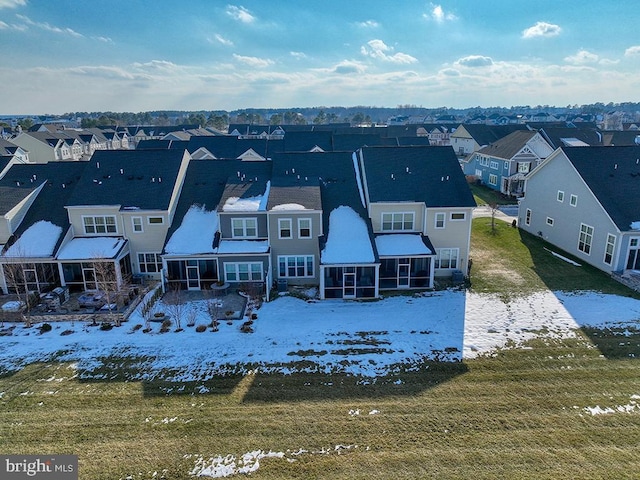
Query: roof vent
column 121, row 171
column 615, row 166
column 17, row 183
column 97, row 164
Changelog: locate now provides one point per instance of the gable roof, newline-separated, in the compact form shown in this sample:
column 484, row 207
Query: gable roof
column 249, row 181
column 305, row 140
column 353, row 141
column 613, row 175
column 131, row 178
column 415, row 174
column 561, row 136
column 507, row 147
column 486, row 134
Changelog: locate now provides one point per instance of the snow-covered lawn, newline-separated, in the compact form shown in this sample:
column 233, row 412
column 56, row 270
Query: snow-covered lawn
column 369, row 339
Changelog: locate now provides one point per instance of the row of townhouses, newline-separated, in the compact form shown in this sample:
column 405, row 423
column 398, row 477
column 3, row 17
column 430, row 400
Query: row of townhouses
column 352, row 223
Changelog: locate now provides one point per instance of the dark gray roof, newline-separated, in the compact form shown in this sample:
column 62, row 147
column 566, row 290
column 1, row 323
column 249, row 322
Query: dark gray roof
column 249, row 180
column 555, row 135
column 232, row 147
column 353, row 141
column 130, row 178
column 621, row 138
column 7, row 148
column 507, row 147
column 613, row 175
column 156, row 143
column 413, row 141
column 416, row 174
column 486, row 134
column 304, row 141
column 61, row 178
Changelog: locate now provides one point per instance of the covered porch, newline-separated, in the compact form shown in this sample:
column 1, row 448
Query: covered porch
column 406, row 261
column 349, row 281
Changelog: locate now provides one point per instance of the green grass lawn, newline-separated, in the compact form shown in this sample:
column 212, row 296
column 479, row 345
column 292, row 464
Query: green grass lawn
column 520, row 413
column 486, row 196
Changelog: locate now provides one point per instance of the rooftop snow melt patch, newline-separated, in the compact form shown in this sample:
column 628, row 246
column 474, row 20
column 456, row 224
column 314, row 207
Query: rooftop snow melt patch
column 401, row 244
column 38, row 240
column 348, row 240
column 250, row 204
column 195, row 234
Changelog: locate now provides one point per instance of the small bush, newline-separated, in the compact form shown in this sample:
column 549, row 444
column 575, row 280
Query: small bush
column 166, row 323
column 201, row 328
column 246, row 327
column 45, row 327
column 67, row 332
column 106, row 326
column 137, row 327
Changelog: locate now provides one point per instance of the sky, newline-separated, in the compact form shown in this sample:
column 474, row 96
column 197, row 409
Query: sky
column 84, row 55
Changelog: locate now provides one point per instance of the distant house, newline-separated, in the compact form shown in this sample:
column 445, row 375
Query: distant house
column 503, row 165
column 586, row 201
column 469, row 138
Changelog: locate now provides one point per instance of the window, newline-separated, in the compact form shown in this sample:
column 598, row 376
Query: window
column 243, row 272
column 101, row 224
column 149, row 262
column 573, row 200
column 397, row 221
column 457, row 216
column 609, row 248
column 506, row 165
column 524, row 167
column 494, row 165
column 527, row 217
column 478, row 173
column 284, row 228
column 560, row 196
column 493, row 179
column 304, row 228
column 137, row 224
column 585, row 238
column 484, row 161
column 295, row 266
column 447, row 257
column 244, row 227
column 550, row 221
column 440, row 220
column 155, row 220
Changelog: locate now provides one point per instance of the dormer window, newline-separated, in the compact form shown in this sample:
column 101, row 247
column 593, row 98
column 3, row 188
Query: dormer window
column 244, row 227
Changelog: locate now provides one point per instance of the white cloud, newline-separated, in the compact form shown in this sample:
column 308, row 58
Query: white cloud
column 438, row 14
column 253, row 61
column 542, row 29
column 49, row 28
column 368, row 24
column 240, row 13
column 632, row 51
column 474, row 61
column 298, row 55
column 224, row 41
column 349, row 66
column 12, row 3
column 103, row 39
column 582, row 57
column 377, row 49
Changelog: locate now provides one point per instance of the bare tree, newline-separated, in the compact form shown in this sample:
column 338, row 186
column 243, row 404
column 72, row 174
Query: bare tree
column 213, row 307
column 175, row 302
column 17, row 282
column 107, row 283
column 494, row 210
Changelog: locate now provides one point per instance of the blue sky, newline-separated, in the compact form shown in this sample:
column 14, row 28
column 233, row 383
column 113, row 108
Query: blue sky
column 84, row 55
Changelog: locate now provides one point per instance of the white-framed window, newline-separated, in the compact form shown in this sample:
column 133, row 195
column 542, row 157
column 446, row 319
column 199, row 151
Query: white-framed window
column 295, row 266
column 484, row 161
column 478, row 173
column 585, row 238
column 149, row 262
column 284, row 228
column 155, row 220
column 397, row 221
column 136, row 224
column 494, row 165
column 550, row 221
column 493, row 179
column 99, row 224
column 609, row 249
column 573, row 200
column 304, row 228
column 523, row 167
column 527, row 217
column 506, row 165
column 458, row 216
column 447, row 257
column 243, row 272
column 440, row 218
column 244, row 227
column 560, row 196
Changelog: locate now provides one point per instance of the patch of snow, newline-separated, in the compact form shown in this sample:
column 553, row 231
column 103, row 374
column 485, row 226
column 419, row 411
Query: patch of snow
column 12, row 306
column 250, row 204
column 243, row 246
column 395, row 245
column 87, row 248
column 289, row 206
column 38, row 240
column 635, row 225
column 195, row 234
column 568, row 260
column 348, row 240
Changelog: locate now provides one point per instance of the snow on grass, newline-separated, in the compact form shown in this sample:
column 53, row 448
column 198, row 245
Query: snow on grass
column 631, row 407
column 367, row 339
column 561, row 257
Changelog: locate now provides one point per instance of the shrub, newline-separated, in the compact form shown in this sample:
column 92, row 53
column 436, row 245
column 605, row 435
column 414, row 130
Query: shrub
column 106, row 326
column 246, row 327
column 201, row 328
column 67, row 332
column 137, row 327
column 45, row 327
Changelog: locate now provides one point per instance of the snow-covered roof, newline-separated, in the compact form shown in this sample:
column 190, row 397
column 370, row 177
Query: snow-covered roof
column 403, row 244
column 195, row 234
column 289, row 206
column 88, row 248
column 243, row 246
column 250, row 204
column 348, row 240
column 38, row 240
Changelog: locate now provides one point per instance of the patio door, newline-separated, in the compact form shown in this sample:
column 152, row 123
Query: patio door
column 193, row 275
column 349, row 282
column 633, row 258
column 89, row 278
column 404, row 268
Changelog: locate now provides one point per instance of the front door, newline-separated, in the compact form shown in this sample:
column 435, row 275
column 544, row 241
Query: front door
column 193, row 277
column 404, row 268
column 349, row 283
